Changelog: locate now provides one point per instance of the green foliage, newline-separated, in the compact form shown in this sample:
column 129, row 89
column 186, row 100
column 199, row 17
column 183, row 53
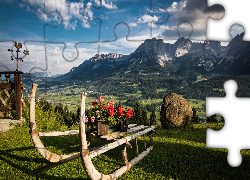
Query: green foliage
column 222, row 119
column 49, row 117
column 140, row 115
column 137, row 118
column 153, row 117
column 212, row 119
column 195, row 118
column 144, row 117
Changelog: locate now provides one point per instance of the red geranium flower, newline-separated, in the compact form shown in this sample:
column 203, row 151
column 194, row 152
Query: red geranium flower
column 120, row 109
column 94, row 103
column 111, row 108
column 101, row 99
column 128, row 115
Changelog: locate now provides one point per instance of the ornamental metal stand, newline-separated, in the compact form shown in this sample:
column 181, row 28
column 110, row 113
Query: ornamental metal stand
column 85, row 153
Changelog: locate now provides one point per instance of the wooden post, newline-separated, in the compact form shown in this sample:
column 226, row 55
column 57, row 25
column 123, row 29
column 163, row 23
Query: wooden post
column 136, row 146
column 18, row 95
column 124, row 153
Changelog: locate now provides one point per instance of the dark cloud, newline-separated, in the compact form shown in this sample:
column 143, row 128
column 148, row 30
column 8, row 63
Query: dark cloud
column 193, row 5
column 201, row 5
column 196, row 13
column 214, row 9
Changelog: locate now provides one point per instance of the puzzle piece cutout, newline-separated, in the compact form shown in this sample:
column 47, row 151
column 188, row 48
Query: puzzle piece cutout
column 235, row 110
column 219, row 29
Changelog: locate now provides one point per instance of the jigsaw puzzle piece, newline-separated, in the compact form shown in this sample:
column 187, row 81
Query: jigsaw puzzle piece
column 8, row 29
column 132, row 19
column 6, row 64
column 235, row 111
column 219, row 30
column 73, row 26
column 189, row 53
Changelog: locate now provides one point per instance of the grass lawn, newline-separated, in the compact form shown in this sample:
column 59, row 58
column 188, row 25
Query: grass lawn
column 178, row 154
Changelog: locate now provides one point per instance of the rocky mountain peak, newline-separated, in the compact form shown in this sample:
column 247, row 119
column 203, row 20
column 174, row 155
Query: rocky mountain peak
column 106, row 56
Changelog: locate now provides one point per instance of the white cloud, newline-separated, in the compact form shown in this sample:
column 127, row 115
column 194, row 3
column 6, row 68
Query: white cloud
column 56, row 51
column 68, row 11
column 106, row 4
column 148, row 19
column 236, row 29
column 177, row 7
column 132, row 24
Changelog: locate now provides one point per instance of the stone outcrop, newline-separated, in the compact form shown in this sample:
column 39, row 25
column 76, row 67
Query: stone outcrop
column 175, row 111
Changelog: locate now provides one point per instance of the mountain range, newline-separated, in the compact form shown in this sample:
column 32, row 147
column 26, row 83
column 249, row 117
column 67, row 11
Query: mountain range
column 159, row 65
column 207, row 58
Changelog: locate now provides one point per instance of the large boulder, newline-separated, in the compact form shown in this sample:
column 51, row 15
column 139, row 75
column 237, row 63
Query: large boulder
column 175, row 111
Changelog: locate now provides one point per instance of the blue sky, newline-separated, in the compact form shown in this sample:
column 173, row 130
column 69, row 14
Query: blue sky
column 56, row 31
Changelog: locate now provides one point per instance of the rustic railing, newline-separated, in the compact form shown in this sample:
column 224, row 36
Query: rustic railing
column 17, row 86
column 86, row 154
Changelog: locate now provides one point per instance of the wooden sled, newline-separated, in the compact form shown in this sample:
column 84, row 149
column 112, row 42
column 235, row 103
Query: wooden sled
column 36, row 140
column 85, row 153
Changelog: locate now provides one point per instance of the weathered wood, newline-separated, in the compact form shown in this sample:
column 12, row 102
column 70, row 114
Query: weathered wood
column 18, row 95
column 86, row 154
column 151, row 137
column 120, row 134
column 58, row 133
column 117, row 143
column 11, row 72
column 4, row 108
column 136, row 146
column 132, row 125
column 124, row 154
column 37, row 142
column 3, row 101
column 123, row 169
column 128, row 145
column 64, row 133
column 5, row 85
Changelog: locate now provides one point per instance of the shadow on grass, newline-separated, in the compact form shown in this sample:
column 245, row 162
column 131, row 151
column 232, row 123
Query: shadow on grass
column 66, row 144
column 179, row 161
column 16, row 162
column 167, row 160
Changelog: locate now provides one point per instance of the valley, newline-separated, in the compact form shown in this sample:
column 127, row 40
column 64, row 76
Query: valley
column 193, row 70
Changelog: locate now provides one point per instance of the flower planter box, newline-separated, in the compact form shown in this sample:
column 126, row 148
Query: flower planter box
column 123, row 126
column 102, row 127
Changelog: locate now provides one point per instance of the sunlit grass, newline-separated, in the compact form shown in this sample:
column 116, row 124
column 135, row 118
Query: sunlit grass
column 178, row 153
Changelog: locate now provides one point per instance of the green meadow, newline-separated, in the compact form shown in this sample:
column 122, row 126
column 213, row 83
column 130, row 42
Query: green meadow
column 179, row 153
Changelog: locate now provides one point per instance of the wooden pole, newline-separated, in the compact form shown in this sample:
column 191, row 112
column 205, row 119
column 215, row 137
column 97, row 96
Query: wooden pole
column 136, row 146
column 18, row 95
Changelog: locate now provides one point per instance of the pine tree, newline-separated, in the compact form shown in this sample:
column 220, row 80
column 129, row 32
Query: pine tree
column 144, row 117
column 152, row 117
column 195, row 118
column 120, row 104
column 137, row 114
column 78, row 114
